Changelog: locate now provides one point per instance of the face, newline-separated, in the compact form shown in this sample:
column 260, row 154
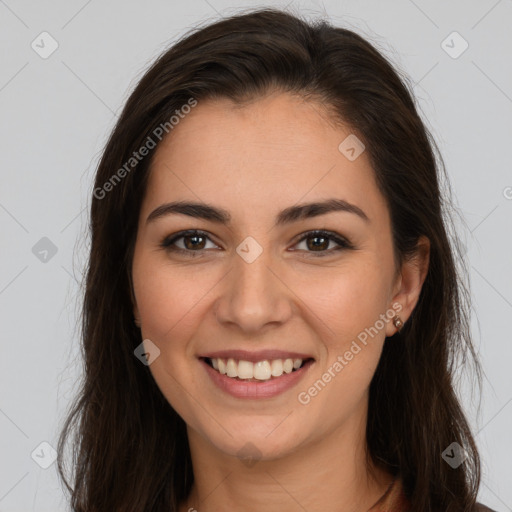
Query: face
column 260, row 286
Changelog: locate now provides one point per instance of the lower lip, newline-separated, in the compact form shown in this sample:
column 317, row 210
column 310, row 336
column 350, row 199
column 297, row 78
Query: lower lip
column 263, row 389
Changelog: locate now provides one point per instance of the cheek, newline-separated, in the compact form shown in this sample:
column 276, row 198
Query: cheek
column 346, row 301
column 350, row 317
column 169, row 297
column 353, row 333
column 170, row 306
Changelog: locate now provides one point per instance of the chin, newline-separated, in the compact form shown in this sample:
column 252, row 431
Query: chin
column 251, row 443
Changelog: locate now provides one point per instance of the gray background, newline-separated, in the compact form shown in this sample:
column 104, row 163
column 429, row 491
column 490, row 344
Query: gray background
column 57, row 112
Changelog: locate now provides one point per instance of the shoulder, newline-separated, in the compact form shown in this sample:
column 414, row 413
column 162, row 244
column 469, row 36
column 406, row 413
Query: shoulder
column 482, row 508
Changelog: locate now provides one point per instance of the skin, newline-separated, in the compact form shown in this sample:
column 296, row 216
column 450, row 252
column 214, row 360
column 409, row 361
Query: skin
column 254, row 162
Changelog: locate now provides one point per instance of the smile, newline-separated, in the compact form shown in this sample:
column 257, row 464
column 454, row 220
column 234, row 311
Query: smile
column 258, row 371
column 259, row 378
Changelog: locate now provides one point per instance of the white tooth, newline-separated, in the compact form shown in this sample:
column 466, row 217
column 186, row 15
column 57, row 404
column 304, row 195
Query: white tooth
column 245, row 370
column 297, row 363
column 276, row 367
column 288, row 365
column 222, row 366
column 262, row 370
column 215, row 364
column 231, row 368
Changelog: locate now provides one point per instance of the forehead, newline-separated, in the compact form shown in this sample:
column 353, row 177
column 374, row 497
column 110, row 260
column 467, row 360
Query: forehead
column 270, row 153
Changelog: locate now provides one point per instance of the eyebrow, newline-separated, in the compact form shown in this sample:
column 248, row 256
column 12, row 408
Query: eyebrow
column 286, row 216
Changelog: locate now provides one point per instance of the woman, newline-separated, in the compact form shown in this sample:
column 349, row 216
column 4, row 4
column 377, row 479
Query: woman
column 272, row 310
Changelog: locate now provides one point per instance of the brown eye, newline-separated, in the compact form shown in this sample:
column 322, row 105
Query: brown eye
column 193, row 242
column 319, row 241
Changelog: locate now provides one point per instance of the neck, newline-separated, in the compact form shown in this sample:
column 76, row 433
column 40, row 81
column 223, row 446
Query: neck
column 329, row 474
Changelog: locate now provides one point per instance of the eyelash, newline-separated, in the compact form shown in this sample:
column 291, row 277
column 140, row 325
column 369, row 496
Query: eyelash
column 167, row 243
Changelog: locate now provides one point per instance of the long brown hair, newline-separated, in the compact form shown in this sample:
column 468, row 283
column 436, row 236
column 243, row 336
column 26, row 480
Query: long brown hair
column 130, row 449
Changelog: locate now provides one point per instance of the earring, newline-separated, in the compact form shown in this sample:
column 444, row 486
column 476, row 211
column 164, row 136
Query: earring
column 397, row 322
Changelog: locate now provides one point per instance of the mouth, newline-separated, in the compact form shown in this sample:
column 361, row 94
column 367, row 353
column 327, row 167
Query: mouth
column 262, row 374
column 262, row 370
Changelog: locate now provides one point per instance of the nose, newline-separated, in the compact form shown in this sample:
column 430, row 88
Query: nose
column 254, row 295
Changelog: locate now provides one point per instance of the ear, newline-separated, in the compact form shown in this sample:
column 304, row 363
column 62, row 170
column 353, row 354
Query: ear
column 406, row 291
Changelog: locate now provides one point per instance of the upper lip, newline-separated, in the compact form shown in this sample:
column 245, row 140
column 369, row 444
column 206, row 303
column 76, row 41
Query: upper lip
column 255, row 356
